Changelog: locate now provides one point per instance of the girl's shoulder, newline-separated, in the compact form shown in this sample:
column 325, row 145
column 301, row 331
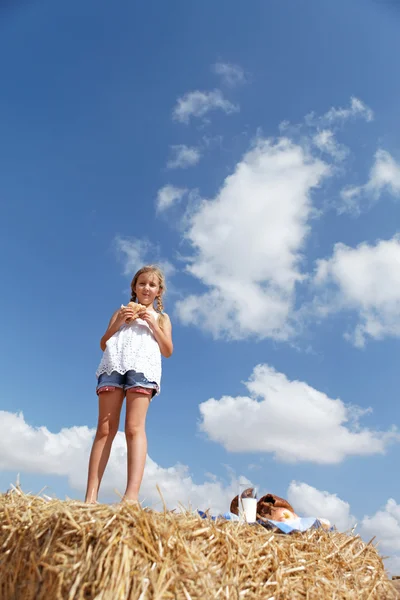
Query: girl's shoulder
column 164, row 320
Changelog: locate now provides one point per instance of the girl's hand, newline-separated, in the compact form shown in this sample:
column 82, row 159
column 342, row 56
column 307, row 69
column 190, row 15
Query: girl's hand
column 151, row 319
column 125, row 314
column 138, row 310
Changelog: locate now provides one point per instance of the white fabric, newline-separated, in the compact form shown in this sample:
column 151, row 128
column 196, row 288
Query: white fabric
column 132, row 347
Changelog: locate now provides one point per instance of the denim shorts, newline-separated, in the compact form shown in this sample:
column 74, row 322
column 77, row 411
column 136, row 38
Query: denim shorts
column 129, row 381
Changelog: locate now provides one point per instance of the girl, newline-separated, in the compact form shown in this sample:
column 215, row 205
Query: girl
column 136, row 337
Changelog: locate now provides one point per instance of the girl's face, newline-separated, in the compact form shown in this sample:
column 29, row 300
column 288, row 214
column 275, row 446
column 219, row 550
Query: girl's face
column 147, row 288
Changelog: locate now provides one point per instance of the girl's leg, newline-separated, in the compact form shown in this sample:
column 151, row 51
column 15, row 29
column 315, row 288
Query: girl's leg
column 137, row 405
column 110, row 404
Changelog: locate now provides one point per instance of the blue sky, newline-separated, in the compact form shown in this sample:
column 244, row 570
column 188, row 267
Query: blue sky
column 181, row 133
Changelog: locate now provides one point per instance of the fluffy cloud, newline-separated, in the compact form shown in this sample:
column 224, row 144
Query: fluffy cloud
column 134, row 253
column 357, row 109
column 365, row 280
column 198, row 104
column 183, row 157
column 169, row 195
column 310, row 502
column 384, row 176
column 385, row 526
column 26, row 449
column 231, row 74
column 249, row 239
column 247, row 242
column 325, row 141
column 336, row 116
column 290, row 419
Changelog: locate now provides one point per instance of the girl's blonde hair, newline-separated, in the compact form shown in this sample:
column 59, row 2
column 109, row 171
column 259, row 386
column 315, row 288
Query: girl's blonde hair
column 161, row 282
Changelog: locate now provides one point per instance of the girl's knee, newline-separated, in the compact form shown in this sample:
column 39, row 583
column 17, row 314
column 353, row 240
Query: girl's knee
column 105, row 429
column 133, row 430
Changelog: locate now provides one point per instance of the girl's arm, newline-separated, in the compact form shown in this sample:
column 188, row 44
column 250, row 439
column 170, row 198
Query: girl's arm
column 118, row 319
column 162, row 334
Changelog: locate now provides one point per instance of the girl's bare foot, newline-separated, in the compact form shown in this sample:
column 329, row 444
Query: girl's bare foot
column 130, row 501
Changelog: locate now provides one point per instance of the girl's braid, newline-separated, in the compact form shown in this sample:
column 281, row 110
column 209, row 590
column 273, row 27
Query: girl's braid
column 160, row 305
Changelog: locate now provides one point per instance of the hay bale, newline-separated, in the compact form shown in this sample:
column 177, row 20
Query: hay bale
column 72, row 551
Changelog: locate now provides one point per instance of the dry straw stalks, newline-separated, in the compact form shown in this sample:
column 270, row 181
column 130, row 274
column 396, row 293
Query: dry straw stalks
column 73, row 551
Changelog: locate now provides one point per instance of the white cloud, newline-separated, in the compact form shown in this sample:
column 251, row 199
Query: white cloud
column 357, row 108
column 231, row 74
column 247, row 242
column 183, row 157
column 37, row 450
column 366, row 281
column 198, row 104
column 310, row 502
column 26, row 449
column 325, row 141
column 335, row 116
column 290, row 419
column 134, row 253
column 169, row 195
column 385, row 173
column 385, row 525
column 350, row 200
column 384, row 176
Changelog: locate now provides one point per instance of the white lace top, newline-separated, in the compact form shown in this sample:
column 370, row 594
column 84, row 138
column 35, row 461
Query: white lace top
column 132, row 347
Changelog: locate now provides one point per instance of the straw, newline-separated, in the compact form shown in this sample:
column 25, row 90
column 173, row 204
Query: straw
column 66, row 550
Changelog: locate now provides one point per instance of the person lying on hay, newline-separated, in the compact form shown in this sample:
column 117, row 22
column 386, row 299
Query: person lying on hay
column 271, row 508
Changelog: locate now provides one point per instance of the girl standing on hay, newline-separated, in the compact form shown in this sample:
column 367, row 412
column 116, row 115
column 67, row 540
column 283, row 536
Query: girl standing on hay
column 136, row 337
